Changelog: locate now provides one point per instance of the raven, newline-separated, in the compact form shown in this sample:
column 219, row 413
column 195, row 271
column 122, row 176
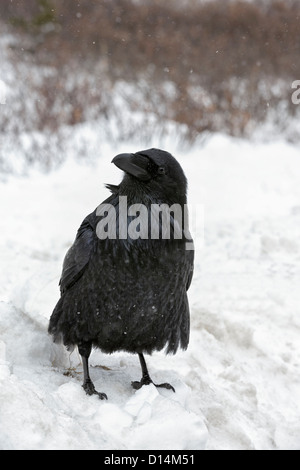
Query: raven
column 126, row 289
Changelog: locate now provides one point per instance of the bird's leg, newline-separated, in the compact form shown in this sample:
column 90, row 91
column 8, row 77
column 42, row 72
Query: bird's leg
column 88, row 386
column 146, row 379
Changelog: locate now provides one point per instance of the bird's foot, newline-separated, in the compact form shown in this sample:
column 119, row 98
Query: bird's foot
column 89, row 388
column 138, row 384
column 147, row 381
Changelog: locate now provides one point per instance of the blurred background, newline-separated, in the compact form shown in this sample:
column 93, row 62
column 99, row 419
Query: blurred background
column 134, row 69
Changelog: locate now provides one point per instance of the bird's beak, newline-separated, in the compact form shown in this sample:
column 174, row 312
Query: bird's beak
column 134, row 164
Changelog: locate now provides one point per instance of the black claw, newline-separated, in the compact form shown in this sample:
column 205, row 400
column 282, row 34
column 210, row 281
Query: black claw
column 102, row 396
column 166, row 385
column 89, row 388
column 146, row 381
column 136, row 385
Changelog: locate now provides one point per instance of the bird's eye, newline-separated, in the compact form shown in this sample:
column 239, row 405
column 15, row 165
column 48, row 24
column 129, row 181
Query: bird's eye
column 161, row 170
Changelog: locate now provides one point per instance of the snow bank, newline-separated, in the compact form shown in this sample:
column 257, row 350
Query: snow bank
column 237, row 386
column 42, row 408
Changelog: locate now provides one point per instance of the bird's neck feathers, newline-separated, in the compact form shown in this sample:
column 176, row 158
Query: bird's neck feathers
column 161, row 220
column 112, row 188
column 138, row 192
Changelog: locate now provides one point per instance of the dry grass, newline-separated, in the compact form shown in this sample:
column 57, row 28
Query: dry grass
column 214, row 66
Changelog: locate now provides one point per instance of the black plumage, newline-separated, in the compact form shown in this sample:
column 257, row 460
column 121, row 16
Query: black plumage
column 129, row 292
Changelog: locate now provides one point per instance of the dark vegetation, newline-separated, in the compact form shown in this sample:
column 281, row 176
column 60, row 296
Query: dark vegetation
column 213, row 66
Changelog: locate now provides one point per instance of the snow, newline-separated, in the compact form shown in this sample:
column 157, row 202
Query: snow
column 237, row 385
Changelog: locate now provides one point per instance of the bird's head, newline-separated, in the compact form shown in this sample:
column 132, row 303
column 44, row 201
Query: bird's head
column 154, row 173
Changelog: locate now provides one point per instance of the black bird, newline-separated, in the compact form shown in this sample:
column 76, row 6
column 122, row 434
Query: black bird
column 125, row 278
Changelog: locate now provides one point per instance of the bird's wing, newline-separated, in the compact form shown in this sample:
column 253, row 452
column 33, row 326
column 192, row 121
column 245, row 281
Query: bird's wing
column 78, row 256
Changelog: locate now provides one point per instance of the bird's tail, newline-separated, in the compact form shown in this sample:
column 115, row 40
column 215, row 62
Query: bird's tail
column 53, row 328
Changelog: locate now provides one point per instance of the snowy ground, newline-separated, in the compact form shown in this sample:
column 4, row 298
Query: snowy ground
column 237, row 386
